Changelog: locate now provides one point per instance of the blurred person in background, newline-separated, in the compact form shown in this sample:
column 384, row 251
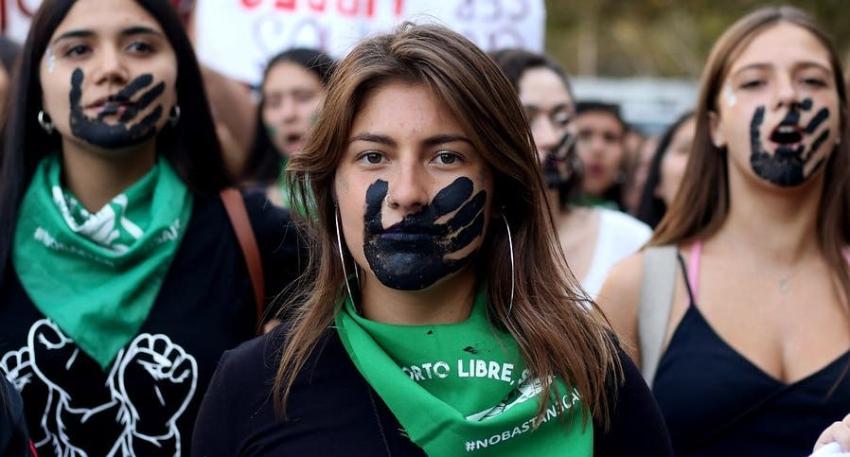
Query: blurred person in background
column 600, row 142
column 748, row 345
column 122, row 280
column 593, row 238
column 666, row 168
column 638, row 169
column 292, row 91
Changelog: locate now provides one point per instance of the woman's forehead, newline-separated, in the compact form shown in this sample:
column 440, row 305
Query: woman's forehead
column 106, row 17
column 782, row 46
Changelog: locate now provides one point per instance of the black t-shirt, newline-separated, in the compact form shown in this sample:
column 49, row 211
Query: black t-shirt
column 332, row 410
column 146, row 402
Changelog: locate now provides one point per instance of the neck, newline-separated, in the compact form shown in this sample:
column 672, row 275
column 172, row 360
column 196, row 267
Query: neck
column 448, row 301
column 94, row 177
column 778, row 225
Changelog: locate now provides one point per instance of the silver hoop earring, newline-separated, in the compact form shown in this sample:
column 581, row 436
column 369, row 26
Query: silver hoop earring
column 513, row 270
column 342, row 257
column 174, row 118
column 45, row 122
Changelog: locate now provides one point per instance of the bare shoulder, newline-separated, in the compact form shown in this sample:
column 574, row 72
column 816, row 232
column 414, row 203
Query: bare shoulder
column 619, row 300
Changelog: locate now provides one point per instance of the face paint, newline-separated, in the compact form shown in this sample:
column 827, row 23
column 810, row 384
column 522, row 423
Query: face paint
column 731, row 99
column 51, row 60
column 555, row 171
column 113, row 136
column 411, row 255
column 786, row 166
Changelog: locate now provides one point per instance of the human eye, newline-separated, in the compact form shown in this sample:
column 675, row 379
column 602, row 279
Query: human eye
column 752, row 84
column 371, row 158
column 814, row 81
column 140, row 47
column 445, row 157
column 303, row 96
column 76, row 50
column 561, row 118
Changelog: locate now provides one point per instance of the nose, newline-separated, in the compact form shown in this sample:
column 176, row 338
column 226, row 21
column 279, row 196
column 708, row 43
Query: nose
column 110, row 67
column 408, row 192
column 288, row 111
column 545, row 135
column 786, row 92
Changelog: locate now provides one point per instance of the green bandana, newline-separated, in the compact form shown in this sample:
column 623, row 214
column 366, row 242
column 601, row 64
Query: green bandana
column 97, row 275
column 462, row 388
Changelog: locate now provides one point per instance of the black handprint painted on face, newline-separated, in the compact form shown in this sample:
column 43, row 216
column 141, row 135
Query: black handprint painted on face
column 786, row 166
column 412, row 254
column 113, row 136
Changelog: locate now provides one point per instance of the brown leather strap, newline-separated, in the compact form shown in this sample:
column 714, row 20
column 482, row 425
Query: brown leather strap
column 238, row 214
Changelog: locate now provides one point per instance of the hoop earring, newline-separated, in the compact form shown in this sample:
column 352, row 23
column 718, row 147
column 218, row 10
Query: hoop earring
column 342, row 257
column 174, row 117
column 513, row 270
column 45, row 122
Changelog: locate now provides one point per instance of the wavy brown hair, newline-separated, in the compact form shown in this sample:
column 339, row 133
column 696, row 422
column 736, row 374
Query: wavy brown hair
column 702, row 203
column 559, row 330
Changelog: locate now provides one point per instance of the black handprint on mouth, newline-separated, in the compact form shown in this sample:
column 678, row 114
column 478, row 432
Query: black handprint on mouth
column 112, row 136
column 786, row 166
column 411, row 255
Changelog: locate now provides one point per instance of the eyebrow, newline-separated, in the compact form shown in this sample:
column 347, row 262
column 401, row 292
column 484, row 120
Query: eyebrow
column 766, row 66
column 85, row 33
column 559, row 106
column 428, row 142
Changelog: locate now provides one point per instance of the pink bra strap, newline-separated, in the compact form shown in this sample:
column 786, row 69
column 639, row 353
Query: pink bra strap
column 693, row 268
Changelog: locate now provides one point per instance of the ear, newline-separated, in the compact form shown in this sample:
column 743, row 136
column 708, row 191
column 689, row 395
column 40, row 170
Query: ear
column 717, row 137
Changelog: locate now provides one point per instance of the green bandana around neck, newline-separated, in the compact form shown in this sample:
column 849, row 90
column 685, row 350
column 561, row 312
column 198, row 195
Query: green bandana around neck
column 97, row 275
column 463, row 389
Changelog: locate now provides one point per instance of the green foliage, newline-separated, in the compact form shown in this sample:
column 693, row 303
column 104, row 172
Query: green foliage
column 659, row 37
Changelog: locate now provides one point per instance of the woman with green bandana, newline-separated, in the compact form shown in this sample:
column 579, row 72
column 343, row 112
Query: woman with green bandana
column 291, row 94
column 439, row 316
column 121, row 278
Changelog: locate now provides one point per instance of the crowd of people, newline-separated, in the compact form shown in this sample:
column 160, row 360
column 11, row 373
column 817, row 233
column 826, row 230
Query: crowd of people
column 418, row 249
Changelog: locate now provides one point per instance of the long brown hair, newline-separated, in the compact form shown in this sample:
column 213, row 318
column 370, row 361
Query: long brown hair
column 702, row 203
column 560, row 331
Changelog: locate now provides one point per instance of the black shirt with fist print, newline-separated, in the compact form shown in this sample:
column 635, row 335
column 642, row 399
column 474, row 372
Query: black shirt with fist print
column 145, row 403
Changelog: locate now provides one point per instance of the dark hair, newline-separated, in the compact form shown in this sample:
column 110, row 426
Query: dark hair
column 192, row 147
column 264, row 161
column 515, row 62
column 652, row 207
column 596, row 106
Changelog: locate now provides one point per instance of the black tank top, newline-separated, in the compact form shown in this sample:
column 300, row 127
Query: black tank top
column 718, row 403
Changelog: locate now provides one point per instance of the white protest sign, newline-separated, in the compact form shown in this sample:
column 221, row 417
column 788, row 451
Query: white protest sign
column 15, row 16
column 237, row 37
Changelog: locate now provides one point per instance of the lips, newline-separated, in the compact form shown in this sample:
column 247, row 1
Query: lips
column 787, row 135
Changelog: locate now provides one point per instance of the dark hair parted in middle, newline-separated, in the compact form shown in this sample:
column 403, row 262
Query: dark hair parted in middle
column 652, row 207
column 515, row 63
column 264, row 161
column 192, row 146
column 560, row 332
